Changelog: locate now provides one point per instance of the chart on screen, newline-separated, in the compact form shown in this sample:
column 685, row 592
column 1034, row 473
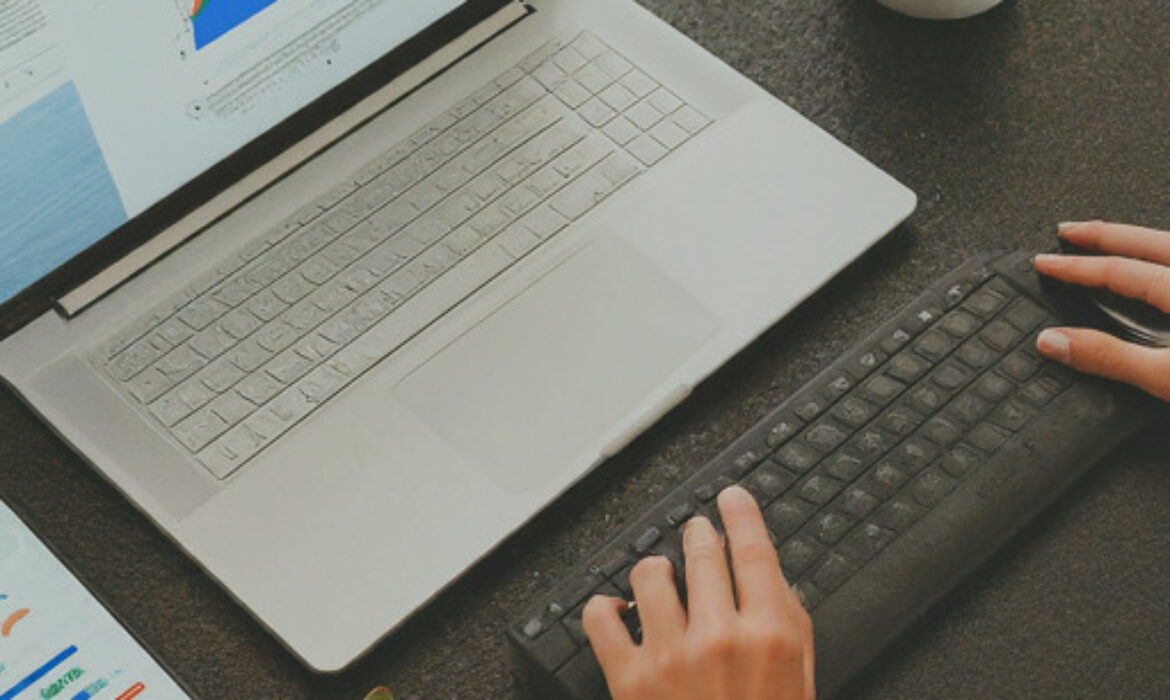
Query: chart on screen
column 212, row 19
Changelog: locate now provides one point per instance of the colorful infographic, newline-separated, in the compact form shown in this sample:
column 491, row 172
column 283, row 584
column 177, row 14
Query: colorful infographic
column 56, row 641
column 214, row 18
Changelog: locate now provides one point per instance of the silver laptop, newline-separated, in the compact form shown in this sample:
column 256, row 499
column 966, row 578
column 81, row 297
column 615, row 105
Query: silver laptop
column 341, row 293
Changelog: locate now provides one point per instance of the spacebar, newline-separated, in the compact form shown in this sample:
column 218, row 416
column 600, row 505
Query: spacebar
column 235, row 447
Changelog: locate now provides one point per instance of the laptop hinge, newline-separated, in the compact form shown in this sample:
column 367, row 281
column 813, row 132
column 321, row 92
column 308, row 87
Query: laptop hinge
column 96, row 287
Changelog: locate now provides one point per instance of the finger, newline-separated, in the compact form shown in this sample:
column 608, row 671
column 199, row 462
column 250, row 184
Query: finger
column 810, row 666
column 1102, row 354
column 709, row 594
column 1119, row 239
column 1132, row 278
column 607, row 633
column 659, row 608
column 758, row 580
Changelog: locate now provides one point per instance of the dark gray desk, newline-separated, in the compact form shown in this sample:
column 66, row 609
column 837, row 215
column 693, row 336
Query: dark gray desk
column 1040, row 111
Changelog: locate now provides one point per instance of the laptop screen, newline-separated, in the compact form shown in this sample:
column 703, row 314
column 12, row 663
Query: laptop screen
column 106, row 107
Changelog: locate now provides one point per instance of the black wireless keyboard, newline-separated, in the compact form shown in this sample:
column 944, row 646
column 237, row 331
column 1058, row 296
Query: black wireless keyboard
column 884, row 481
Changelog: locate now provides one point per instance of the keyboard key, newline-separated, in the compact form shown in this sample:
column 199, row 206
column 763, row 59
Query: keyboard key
column 941, row 431
column 865, row 543
column 897, row 515
column 646, row 149
column 914, row 454
column 555, row 648
column 985, row 303
column 871, row 443
column 906, row 367
column 987, row 437
column 976, row 355
column 882, row 389
column 825, row 435
column 853, row 411
column 1012, row 415
column 788, row 515
column 797, row 554
column 797, row 457
column 993, row 387
column 884, row 479
column 900, row 419
column 833, row 572
column 1025, row 315
column 934, row 345
column 931, row 486
column 1019, row 366
column 857, row 503
column 844, row 465
column 895, row 340
column 767, row 482
column 960, row 461
column 680, row 513
column 809, row 409
column 780, row 432
column 1000, row 335
column 960, row 324
column 639, row 83
column 820, row 489
column 927, row 399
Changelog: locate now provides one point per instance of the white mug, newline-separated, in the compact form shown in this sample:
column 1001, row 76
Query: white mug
column 940, row 9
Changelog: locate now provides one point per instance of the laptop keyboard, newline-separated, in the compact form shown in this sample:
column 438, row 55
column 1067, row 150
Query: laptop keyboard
column 229, row 365
column 882, row 481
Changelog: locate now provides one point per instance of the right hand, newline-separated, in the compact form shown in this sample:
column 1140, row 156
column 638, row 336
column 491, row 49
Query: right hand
column 757, row 649
column 1136, row 264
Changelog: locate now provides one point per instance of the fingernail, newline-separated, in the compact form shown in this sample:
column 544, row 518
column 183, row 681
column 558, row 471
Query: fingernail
column 1054, row 345
column 698, row 529
column 1048, row 260
column 1069, row 227
column 734, row 491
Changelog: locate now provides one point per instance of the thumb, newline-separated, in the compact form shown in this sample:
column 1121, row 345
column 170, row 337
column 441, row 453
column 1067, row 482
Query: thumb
column 1104, row 355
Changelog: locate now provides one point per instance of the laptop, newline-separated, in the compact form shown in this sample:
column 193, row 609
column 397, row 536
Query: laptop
column 342, row 293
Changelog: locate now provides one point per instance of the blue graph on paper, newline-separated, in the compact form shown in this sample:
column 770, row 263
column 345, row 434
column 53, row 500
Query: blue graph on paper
column 214, row 18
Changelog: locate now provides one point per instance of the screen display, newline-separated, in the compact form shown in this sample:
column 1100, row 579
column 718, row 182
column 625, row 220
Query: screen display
column 108, row 106
column 56, row 641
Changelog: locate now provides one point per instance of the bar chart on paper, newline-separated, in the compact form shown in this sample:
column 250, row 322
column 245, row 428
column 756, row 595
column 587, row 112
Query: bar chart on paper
column 214, row 18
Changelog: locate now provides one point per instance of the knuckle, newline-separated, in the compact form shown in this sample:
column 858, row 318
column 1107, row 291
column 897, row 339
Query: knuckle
column 637, row 682
column 778, row 642
column 720, row 645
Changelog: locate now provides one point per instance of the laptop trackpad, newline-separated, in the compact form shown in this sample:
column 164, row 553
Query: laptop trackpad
column 553, row 371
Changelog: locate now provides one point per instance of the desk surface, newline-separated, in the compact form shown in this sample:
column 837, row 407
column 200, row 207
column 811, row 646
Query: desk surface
column 1004, row 124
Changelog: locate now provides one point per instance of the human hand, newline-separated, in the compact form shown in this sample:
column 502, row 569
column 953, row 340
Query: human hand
column 1137, row 265
column 758, row 649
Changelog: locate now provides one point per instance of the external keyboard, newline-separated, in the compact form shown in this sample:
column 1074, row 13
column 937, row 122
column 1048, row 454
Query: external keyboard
column 883, row 482
column 232, row 363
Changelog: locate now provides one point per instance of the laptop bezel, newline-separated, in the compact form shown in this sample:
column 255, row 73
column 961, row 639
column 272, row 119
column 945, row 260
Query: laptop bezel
column 39, row 297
